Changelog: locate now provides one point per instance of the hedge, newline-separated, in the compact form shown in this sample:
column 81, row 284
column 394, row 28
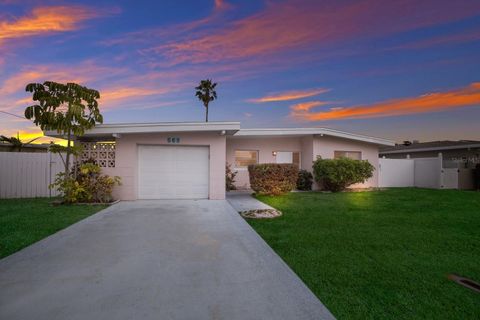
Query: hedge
column 273, row 178
column 337, row 174
column 305, row 180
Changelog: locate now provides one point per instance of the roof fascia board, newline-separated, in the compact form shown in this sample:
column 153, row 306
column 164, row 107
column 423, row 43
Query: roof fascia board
column 466, row 146
column 312, row 131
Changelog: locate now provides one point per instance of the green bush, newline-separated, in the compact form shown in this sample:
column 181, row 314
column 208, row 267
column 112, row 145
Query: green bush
column 87, row 185
column 272, row 178
column 305, row 180
column 337, row 174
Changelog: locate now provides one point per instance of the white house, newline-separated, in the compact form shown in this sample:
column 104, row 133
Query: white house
column 186, row 160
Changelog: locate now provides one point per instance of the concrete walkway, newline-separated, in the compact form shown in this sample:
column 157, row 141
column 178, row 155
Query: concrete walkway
column 154, row 260
column 243, row 201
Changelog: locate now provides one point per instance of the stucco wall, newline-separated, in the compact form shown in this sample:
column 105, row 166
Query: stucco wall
column 265, row 147
column 126, row 160
column 326, row 146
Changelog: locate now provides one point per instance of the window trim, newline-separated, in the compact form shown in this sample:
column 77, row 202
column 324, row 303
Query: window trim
column 347, row 151
column 247, row 150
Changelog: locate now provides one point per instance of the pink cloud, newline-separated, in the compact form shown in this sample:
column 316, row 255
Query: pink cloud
column 293, row 25
column 289, row 95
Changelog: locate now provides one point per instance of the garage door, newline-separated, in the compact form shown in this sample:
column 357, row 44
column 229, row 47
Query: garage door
column 173, row 172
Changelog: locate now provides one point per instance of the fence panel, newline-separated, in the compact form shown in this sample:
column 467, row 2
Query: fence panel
column 450, row 178
column 396, row 173
column 28, row 175
column 428, row 172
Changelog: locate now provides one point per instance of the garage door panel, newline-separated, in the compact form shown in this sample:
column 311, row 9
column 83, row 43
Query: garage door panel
column 173, row 172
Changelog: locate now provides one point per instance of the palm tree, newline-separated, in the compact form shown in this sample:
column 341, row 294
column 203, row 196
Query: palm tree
column 16, row 143
column 206, row 93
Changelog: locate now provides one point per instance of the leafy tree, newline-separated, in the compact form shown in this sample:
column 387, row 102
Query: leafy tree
column 70, row 109
column 16, row 143
column 206, row 93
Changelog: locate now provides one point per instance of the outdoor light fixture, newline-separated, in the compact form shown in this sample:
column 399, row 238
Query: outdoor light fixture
column 274, row 153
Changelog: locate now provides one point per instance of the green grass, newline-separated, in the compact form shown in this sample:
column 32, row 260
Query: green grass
column 25, row 221
column 382, row 254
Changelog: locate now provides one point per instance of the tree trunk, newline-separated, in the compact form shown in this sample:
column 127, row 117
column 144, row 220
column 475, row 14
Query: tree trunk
column 67, row 163
column 206, row 113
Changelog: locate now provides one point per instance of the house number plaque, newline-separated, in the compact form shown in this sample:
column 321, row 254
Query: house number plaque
column 173, row 140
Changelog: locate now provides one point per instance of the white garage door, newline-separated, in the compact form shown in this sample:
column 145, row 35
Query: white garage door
column 173, row 172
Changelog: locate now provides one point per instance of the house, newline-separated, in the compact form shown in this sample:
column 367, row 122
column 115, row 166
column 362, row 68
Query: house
column 466, row 152
column 186, row 160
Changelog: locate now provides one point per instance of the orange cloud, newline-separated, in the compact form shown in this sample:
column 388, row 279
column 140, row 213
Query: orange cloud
column 115, row 95
column 46, row 20
column 432, row 102
column 290, row 95
column 306, row 106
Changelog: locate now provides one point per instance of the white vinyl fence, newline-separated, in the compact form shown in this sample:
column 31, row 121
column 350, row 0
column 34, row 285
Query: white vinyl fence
column 28, row 175
column 422, row 173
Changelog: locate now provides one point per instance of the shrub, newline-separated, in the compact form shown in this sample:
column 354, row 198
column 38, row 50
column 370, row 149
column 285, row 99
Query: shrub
column 89, row 185
column 305, row 180
column 230, row 178
column 337, row 174
column 272, row 178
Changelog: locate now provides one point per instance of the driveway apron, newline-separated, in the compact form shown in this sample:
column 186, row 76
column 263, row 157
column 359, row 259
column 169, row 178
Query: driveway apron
column 164, row 259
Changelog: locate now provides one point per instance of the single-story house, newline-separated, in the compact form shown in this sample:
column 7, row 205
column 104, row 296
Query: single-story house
column 466, row 152
column 186, row 160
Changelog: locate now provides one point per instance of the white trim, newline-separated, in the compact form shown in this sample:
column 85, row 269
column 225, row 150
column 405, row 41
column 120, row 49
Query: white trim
column 119, row 128
column 279, row 132
column 465, row 146
column 230, row 128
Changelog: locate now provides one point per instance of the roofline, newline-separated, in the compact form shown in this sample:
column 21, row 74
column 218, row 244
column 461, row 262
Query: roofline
column 312, row 131
column 157, row 127
column 465, row 146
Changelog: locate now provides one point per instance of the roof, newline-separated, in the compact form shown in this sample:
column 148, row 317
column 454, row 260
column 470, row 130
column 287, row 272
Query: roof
column 276, row 132
column 431, row 146
column 228, row 128
column 108, row 130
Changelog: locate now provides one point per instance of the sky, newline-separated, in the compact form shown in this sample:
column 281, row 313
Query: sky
column 400, row 69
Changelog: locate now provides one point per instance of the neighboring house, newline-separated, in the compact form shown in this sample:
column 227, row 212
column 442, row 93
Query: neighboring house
column 8, row 147
column 187, row 160
column 464, row 151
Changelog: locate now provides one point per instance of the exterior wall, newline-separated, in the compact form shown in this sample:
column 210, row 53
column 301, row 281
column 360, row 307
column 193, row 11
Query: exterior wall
column 326, row 146
column 307, row 153
column 265, row 147
column 126, row 160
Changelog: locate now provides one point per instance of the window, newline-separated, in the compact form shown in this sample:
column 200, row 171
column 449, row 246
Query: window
column 243, row 158
column 355, row 155
column 288, row 157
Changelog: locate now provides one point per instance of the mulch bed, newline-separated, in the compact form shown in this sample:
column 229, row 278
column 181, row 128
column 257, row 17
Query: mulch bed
column 261, row 214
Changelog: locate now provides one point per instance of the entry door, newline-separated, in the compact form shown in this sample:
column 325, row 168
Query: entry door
column 173, row 172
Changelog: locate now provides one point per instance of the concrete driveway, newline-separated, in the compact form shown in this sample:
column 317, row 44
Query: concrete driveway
column 154, row 260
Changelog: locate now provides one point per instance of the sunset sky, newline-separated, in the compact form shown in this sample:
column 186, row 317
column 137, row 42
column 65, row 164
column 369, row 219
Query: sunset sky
column 400, row 69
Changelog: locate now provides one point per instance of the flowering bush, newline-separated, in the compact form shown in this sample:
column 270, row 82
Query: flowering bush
column 89, row 185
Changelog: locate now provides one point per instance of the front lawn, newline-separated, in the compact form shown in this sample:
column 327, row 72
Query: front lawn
column 25, row 221
column 382, row 254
